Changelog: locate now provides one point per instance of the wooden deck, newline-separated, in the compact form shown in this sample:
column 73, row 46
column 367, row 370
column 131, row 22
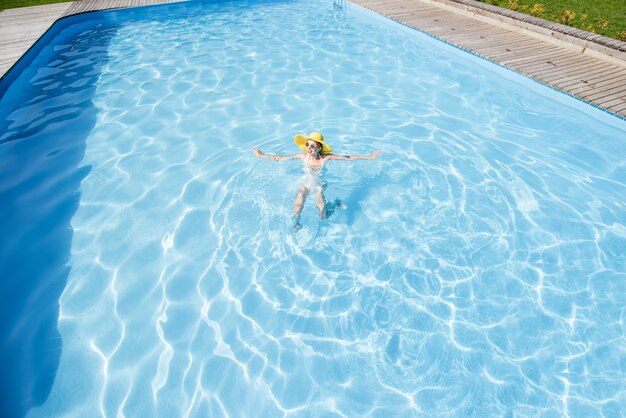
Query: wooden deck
column 83, row 6
column 593, row 79
column 20, row 28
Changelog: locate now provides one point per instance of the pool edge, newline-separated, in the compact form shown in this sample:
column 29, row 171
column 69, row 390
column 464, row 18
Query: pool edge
column 71, row 9
column 622, row 112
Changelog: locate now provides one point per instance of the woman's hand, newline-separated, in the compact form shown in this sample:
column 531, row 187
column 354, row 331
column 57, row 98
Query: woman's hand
column 374, row 154
column 257, row 152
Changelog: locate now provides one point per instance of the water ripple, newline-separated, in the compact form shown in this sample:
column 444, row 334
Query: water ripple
column 477, row 269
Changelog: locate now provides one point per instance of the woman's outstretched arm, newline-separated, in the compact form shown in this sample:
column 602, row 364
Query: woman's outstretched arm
column 353, row 157
column 260, row 154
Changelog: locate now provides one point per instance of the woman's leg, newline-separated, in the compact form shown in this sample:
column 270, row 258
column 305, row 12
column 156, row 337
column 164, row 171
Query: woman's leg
column 299, row 202
column 320, row 202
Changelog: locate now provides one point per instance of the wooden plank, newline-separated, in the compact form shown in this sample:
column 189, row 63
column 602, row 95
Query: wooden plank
column 613, row 102
column 423, row 23
column 506, row 43
column 490, row 43
column 484, row 49
column 575, row 88
column 575, row 82
column 619, row 109
column 463, row 26
column 509, row 56
column 568, row 83
column 476, row 43
column 591, row 89
column 400, row 14
column 551, row 66
column 580, row 72
column 455, row 31
column 618, row 92
column 601, row 78
column 541, row 65
column 479, row 36
column 427, row 19
column 397, row 10
column 524, row 57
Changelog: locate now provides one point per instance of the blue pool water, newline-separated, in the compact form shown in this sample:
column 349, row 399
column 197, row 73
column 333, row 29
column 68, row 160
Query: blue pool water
column 150, row 268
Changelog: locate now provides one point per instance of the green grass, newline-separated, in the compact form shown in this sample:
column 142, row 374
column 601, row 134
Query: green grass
column 10, row 4
column 604, row 17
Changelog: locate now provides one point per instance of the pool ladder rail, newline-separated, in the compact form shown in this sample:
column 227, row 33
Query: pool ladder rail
column 339, row 4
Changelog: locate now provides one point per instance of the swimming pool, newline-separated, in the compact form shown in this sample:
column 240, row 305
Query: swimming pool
column 478, row 269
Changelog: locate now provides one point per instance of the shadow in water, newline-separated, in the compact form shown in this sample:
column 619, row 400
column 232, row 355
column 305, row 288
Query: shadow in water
column 358, row 194
column 45, row 119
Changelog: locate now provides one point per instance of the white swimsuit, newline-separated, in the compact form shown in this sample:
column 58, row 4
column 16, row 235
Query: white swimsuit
column 311, row 178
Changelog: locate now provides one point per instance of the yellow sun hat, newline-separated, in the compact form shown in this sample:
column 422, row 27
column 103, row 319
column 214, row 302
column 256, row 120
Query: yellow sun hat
column 301, row 139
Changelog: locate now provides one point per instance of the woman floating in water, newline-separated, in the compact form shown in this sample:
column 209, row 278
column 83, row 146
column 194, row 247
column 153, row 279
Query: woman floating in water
column 317, row 154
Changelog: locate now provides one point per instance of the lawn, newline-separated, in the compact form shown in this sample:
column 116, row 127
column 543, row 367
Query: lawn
column 604, row 17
